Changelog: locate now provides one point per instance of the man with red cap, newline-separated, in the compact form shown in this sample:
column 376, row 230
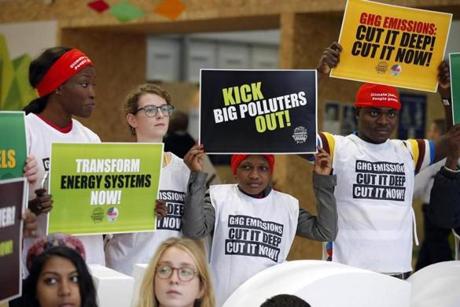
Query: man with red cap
column 375, row 178
column 251, row 224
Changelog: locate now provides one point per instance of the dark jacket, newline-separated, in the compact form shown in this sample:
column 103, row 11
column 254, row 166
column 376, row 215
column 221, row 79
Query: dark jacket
column 444, row 205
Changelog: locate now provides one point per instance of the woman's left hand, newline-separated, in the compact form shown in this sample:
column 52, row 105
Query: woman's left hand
column 323, row 163
column 161, row 210
column 194, row 158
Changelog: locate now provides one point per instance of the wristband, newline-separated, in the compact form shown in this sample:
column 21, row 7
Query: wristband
column 452, row 170
column 446, row 102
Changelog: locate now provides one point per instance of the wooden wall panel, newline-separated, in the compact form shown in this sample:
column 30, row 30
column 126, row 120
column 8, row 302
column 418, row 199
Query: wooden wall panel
column 303, row 38
column 76, row 13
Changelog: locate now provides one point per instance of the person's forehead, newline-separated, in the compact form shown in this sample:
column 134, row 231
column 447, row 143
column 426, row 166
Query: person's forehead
column 176, row 256
column 58, row 265
column 255, row 159
column 89, row 72
column 150, row 99
column 379, row 109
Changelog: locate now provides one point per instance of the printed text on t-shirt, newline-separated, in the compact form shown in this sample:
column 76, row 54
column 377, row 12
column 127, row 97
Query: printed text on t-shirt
column 175, row 206
column 379, row 180
column 250, row 236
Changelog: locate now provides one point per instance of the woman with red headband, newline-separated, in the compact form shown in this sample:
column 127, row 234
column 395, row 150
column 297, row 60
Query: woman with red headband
column 64, row 79
column 252, row 225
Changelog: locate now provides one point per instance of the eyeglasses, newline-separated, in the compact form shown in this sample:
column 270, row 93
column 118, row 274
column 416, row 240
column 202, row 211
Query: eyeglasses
column 185, row 273
column 152, row 110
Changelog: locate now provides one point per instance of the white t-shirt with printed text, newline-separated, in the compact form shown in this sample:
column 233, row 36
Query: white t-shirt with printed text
column 123, row 251
column 40, row 136
column 250, row 234
column 375, row 184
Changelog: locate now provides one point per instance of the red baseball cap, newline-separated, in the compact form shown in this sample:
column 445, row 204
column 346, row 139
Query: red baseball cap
column 237, row 159
column 377, row 96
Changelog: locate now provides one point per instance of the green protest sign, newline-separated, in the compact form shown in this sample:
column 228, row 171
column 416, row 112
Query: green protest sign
column 104, row 188
column 454, row 60
column 13, row 146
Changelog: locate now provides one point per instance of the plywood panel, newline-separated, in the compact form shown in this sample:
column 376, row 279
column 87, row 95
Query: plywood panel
column 73, row 13
column 303, row 37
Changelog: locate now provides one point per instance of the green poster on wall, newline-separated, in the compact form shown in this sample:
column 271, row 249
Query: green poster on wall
column 104, row 188
column 454, row 60
column 13, row 146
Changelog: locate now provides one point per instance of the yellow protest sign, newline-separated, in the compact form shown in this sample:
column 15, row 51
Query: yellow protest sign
column 392, row 45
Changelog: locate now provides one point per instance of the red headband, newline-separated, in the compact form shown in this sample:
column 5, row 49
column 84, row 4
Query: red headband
column 237, row 159
column 377, row 96
column 69, row 64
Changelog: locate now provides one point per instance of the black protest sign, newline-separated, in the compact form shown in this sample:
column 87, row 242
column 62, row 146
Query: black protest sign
column 12, row 198
column 258, row 111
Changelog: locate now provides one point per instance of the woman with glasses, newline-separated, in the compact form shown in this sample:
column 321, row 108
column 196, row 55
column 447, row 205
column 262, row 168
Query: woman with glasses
column 178, row 276
column 148, row 109
column 64, row 79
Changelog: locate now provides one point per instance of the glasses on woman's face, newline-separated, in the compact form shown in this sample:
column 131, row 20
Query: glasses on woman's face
column 165, row 271
column 152, row 110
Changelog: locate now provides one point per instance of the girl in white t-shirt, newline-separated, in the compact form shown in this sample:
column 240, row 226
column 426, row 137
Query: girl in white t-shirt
column 64, row 79
column 148, row 109
column 251, row 225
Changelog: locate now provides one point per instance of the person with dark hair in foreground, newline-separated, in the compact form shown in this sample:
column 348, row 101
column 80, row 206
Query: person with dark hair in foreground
column 285, row 300
column 58, row 274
